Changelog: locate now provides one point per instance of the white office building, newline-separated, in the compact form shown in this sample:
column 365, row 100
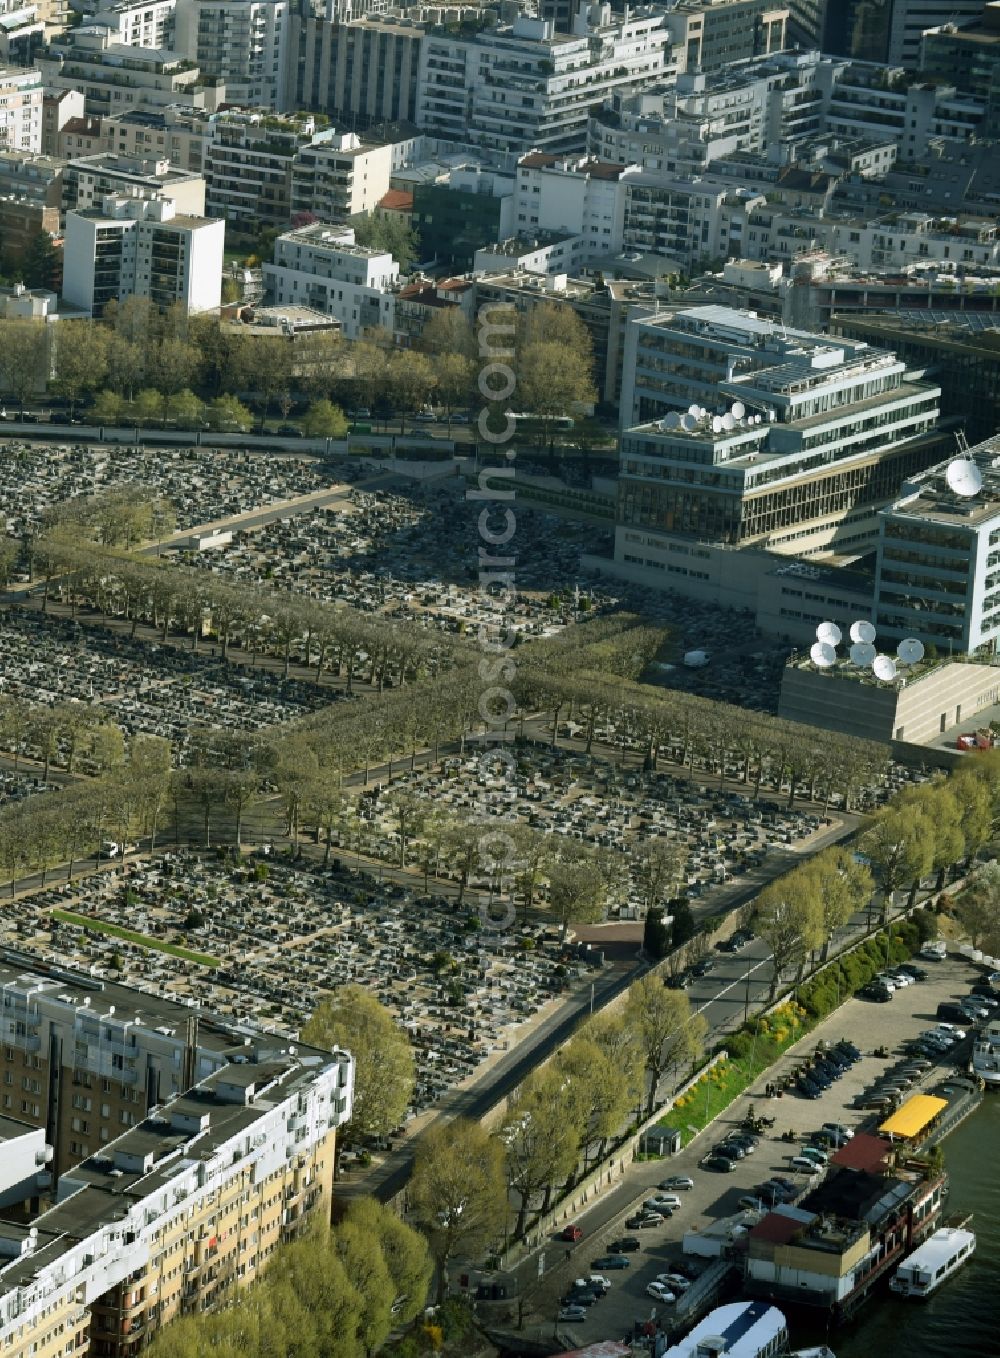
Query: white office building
column 938, row 571
column 20, row 110
column 321, row 267
column 142, row 247
column 804, row 438
column 241, row 43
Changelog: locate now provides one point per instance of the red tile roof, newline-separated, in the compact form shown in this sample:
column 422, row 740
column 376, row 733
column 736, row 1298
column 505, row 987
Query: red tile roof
column 864, row 1152
column 397, row 200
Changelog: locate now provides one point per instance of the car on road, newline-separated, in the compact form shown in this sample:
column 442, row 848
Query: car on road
column 720, row 1163
column 676, row 1181
column 572, row 1233
column 642, row 1220
column 660, row 1293
column 611, row 1261
column 805, row 1164
column 628, row 1244
column 572, row 1315
column 703, row 967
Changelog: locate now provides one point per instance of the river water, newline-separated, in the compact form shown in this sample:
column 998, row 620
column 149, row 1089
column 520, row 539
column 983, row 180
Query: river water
column 962, row 1319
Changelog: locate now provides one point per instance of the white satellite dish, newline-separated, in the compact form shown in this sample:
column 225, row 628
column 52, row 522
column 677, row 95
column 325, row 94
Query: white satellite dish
column 688, row 422
column 728, row 420
column 822, row 654
column 884, row 668
column 910, row 651
column 964, row 477
column 694, row 412
column 863, row 631
column 739, row 410
column 672, row 420
column 862, row 654
column 717, row 424
column 830, row 633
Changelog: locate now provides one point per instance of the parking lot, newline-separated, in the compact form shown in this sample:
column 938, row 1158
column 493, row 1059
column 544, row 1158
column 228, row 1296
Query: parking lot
column 717, row 1195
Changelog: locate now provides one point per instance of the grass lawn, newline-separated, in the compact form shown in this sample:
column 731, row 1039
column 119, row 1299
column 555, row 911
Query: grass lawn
column 199, row 959
column 727, row 1080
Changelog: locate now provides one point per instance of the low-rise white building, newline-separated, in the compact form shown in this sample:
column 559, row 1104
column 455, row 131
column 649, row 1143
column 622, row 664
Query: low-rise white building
column 337, row 175
column 322, row 267
column 139, row 23
column 142, row 247
column 581, row 197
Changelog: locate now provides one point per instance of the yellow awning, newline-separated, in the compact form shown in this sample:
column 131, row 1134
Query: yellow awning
column 916, row 1113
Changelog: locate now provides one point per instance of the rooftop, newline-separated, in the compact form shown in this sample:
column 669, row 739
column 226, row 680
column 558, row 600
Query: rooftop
column 915, row 1115
column 928, row 496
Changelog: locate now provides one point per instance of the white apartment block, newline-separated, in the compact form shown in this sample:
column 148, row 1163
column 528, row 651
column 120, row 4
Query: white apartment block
column 338, row 176
column 527, row 87
column 868, row 100
column 891, row 242
column 178, row 1212
column 321, row 267
column 20, row 110
column 579, row 197
column 138, row 23
column 87, row 180
column 142, row 247
column 241, row 43
column 114, row 77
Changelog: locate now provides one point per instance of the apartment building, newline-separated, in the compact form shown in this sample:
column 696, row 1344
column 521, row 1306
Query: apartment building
column 240, row 43
column 337, row 175
column 79, row 1050
column 360, row 73
column 870, row 100
column 142, row 247
column 58, row 108
column 87, row 180
column 321, row 267
column 709, row 34
column 912, row 18
column 138, row 23
column 525, row 87
column 938, row 569
column 578, row 196
column 20, row 109
column 172, row 1215
column 22, row 32
column 113, row 76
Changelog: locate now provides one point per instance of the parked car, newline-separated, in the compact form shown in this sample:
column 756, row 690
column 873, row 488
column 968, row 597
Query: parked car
column 611, row 1261
column 918, row 973
column 572, row 1315
column 808, row 1089
column 628, row 1244
column 838, row 1129
column 581, row 1296
column 663, row 1202
column 596, row 1282
column 675, row 1281
column 752, row 1204
column 951, row 1012
column 572, row 1233
column 880, row 994
column 660, row 1293
column 852, row 1051
column 782, row 1182
column 720, row 1163
column 643, row 1220
column 814, row 1153
column 731, row 1152
column 676, row 1181
column 703, row 967
column 803, row 1163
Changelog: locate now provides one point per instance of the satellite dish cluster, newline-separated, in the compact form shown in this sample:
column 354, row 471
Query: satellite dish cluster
column 862, row 653
column 735, row 417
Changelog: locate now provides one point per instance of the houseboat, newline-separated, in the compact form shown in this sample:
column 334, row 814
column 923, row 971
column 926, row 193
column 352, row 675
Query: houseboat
column 941, row 1255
